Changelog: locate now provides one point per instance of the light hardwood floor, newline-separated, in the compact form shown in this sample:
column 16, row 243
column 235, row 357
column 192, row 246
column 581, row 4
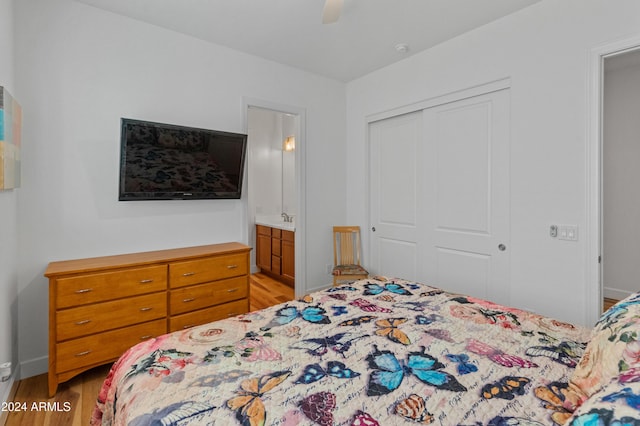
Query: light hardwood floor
column 79, row 394
column 608, row 303
column 267, row 292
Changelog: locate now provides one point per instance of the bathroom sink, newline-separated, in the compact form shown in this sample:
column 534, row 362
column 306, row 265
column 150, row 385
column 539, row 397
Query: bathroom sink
column 276, row 222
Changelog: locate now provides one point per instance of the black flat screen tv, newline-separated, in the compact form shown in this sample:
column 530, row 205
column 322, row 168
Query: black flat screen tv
column 169, row 162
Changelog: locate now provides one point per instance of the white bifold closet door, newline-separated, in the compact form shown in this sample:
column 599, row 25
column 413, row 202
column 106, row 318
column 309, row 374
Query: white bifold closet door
column 439, row 196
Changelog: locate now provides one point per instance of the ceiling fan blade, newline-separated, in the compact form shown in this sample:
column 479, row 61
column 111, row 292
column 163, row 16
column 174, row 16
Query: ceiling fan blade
column 331, row 11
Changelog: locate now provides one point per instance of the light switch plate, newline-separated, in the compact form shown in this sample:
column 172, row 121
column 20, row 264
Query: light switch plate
column 568, row 232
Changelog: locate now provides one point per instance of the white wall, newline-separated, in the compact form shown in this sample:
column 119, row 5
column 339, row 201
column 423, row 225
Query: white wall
column 621, row 199
column 271, row 174
column 544, row 49
column 265, row 162
column 80, row 70
column 264, row 169
column 289, row 198
column 8, row 217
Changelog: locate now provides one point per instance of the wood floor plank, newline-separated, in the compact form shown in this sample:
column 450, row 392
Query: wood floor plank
column 266, row 291
column 80, row 392
column 90, row 389
column 608, row 302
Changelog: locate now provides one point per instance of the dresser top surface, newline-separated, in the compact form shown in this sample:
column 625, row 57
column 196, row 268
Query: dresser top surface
column 142, row 258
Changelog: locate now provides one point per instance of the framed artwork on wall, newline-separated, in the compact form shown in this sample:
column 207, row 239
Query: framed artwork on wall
column 10, row 140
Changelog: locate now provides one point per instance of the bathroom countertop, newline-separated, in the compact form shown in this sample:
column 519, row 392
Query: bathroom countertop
column 276, row 222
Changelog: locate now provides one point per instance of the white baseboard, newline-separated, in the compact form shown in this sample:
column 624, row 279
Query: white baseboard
column 34, row 367
column 5, row 396
column 314, row 289
column 616, row 293
column 5, row 388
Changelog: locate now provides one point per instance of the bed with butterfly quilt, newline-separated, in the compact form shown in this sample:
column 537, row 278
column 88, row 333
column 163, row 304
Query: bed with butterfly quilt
column 382, row 352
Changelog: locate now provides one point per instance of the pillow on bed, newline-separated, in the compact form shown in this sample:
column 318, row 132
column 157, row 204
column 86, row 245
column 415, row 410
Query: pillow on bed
column 614, row 348
column 617, row 403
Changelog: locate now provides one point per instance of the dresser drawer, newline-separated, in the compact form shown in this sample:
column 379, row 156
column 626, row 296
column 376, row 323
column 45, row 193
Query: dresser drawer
column 84, row 320
column 104, row 347
column 99, row 287
column 208, row 269
column 200, row 296
column 203, row 316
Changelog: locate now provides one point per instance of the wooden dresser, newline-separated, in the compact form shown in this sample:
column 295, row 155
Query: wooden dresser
column 99, row 307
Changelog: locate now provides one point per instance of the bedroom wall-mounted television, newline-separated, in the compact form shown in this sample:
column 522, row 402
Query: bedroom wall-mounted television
column 169, row 162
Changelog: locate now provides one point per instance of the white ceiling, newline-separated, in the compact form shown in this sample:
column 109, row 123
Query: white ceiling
column 291, row 31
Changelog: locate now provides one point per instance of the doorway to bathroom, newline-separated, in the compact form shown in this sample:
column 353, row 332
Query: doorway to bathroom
column 275, row 200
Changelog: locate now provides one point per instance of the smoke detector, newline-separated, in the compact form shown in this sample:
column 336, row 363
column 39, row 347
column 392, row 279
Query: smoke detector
column 402, row 47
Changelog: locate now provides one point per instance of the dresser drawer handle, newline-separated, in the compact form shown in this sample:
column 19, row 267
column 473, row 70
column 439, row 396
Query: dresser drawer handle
column 146, row 281
column 85, row 353
column 232, row 314
column 84, row 290
column 147, row 337
column 231, row 290
column 188, row 274
column 190, row 299
column 188, row 326
column 145, row 309
column 232, row 266
column 83, row 322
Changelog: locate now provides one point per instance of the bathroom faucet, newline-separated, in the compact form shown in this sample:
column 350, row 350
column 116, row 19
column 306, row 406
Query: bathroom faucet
column 287, row 218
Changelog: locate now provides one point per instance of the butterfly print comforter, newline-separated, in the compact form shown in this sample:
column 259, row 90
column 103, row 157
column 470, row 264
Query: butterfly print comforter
column 375, row 352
